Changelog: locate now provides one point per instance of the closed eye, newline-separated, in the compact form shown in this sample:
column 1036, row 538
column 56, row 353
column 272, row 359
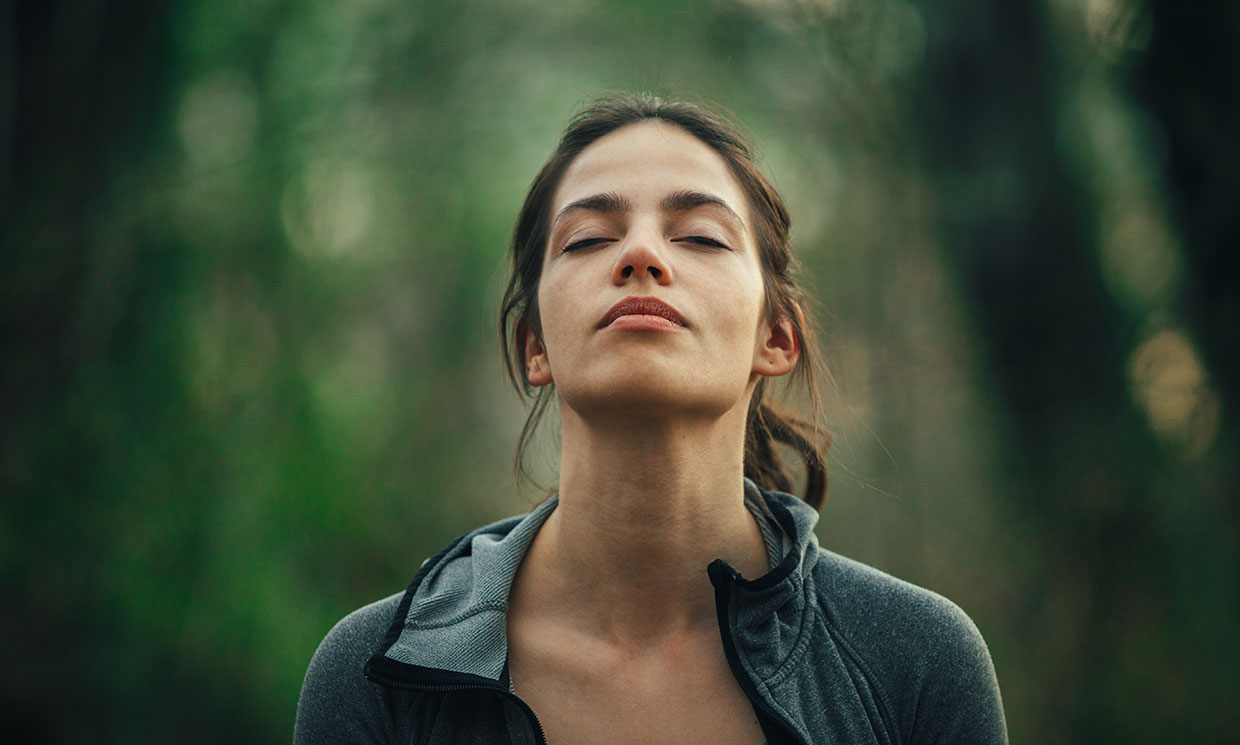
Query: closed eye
column 702, row 240
column 586, row 243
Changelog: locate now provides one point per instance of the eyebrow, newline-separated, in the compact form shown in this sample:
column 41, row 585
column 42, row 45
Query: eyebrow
column 610, row 202
column 684, row 201
column 678, row 201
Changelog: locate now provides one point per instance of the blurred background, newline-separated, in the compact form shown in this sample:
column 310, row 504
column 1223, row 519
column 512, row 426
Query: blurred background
column 250, row 255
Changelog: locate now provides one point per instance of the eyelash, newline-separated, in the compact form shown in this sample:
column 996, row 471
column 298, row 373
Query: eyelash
column 704, row 241
column 585, row 243
column 588, row 242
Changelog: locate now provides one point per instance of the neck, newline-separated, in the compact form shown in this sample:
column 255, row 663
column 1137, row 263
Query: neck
column 645, row 506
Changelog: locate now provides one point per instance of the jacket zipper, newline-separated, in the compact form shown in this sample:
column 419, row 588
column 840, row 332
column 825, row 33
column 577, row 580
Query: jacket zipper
column 723, row 576
column 433, row 688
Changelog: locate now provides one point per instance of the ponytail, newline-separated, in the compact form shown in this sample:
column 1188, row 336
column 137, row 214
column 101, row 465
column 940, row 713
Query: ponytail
column 769, row 425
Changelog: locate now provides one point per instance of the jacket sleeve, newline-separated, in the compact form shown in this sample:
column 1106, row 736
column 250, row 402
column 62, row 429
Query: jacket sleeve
column 338, row 704
column 958, row 702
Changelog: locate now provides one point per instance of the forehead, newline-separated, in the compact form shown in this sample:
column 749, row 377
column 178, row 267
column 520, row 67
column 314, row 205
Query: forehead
column 645, row 161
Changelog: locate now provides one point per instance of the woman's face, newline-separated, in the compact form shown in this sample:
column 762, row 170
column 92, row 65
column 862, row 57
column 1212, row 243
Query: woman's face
column 651, row 297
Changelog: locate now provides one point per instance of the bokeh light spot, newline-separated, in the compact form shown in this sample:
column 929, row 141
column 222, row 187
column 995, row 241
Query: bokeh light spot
column 217, row 119
column 327, row 210
column 1171, row 386
column 1139, row 255
column 1117, row 27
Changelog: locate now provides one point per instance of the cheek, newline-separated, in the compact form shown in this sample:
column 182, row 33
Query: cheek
column 740, row 299
column 554, row 295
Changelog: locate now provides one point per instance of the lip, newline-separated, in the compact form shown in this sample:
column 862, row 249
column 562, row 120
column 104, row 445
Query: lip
column 642, row 306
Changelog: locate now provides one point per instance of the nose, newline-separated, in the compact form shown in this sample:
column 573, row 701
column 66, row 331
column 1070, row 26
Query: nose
column 640, row 257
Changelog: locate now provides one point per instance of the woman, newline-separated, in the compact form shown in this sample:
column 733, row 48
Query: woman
column 664, row 595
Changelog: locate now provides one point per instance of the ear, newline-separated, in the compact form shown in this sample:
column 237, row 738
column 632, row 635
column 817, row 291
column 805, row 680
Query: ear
column 537, row 369
column 778, row 348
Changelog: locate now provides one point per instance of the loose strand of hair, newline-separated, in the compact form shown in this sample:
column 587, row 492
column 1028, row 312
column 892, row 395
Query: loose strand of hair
column 520, row 466
column 769, row 425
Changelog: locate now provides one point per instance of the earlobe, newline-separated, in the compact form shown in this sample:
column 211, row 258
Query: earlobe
column 537, row 369
column 779, row 350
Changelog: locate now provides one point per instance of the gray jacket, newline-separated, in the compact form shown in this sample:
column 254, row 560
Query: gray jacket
column 827, row 649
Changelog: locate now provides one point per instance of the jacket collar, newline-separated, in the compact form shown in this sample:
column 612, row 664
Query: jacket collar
column 451, row 625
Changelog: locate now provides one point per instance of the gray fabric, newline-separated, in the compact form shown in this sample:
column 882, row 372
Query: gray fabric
column 840, row 652
column 777, row 544
column 457, row 620
column 337, row 703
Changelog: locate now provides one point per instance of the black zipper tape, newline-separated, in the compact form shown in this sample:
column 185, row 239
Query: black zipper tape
column 722, row 576
column 454, row 687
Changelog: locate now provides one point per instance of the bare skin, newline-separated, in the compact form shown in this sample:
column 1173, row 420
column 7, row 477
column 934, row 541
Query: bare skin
column 612, row 629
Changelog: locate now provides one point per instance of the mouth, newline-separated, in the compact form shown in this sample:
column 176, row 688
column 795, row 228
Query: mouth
column 642, row 306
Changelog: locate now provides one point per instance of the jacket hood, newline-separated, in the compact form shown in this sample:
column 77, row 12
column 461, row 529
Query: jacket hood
column 451, row 625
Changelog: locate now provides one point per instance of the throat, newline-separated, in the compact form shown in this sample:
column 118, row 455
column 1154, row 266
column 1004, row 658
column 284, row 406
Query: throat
column 635, row 584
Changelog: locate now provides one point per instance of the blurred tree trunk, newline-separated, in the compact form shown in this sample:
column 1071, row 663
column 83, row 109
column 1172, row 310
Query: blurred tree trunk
column 1019, row 229
column 77, row 98
column 1188, row 80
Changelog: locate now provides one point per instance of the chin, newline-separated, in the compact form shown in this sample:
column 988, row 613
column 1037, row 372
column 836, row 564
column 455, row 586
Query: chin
column 631, row 394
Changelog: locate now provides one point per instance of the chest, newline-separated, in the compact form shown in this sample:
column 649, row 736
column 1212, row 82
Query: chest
column 583, row 694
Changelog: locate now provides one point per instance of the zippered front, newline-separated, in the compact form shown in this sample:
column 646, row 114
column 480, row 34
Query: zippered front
column 825, row 649
column 722, row 576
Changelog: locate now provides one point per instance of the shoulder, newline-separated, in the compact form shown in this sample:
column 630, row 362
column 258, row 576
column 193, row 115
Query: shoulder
column 866, row 605
column 338, row 703
column 922, row 652
column 352, row 640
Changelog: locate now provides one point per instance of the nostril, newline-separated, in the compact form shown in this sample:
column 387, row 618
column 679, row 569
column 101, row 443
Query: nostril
column 626, row 272
column 655, row 272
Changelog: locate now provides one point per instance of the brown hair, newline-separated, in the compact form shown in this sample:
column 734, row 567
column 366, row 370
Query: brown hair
column 767, row 424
